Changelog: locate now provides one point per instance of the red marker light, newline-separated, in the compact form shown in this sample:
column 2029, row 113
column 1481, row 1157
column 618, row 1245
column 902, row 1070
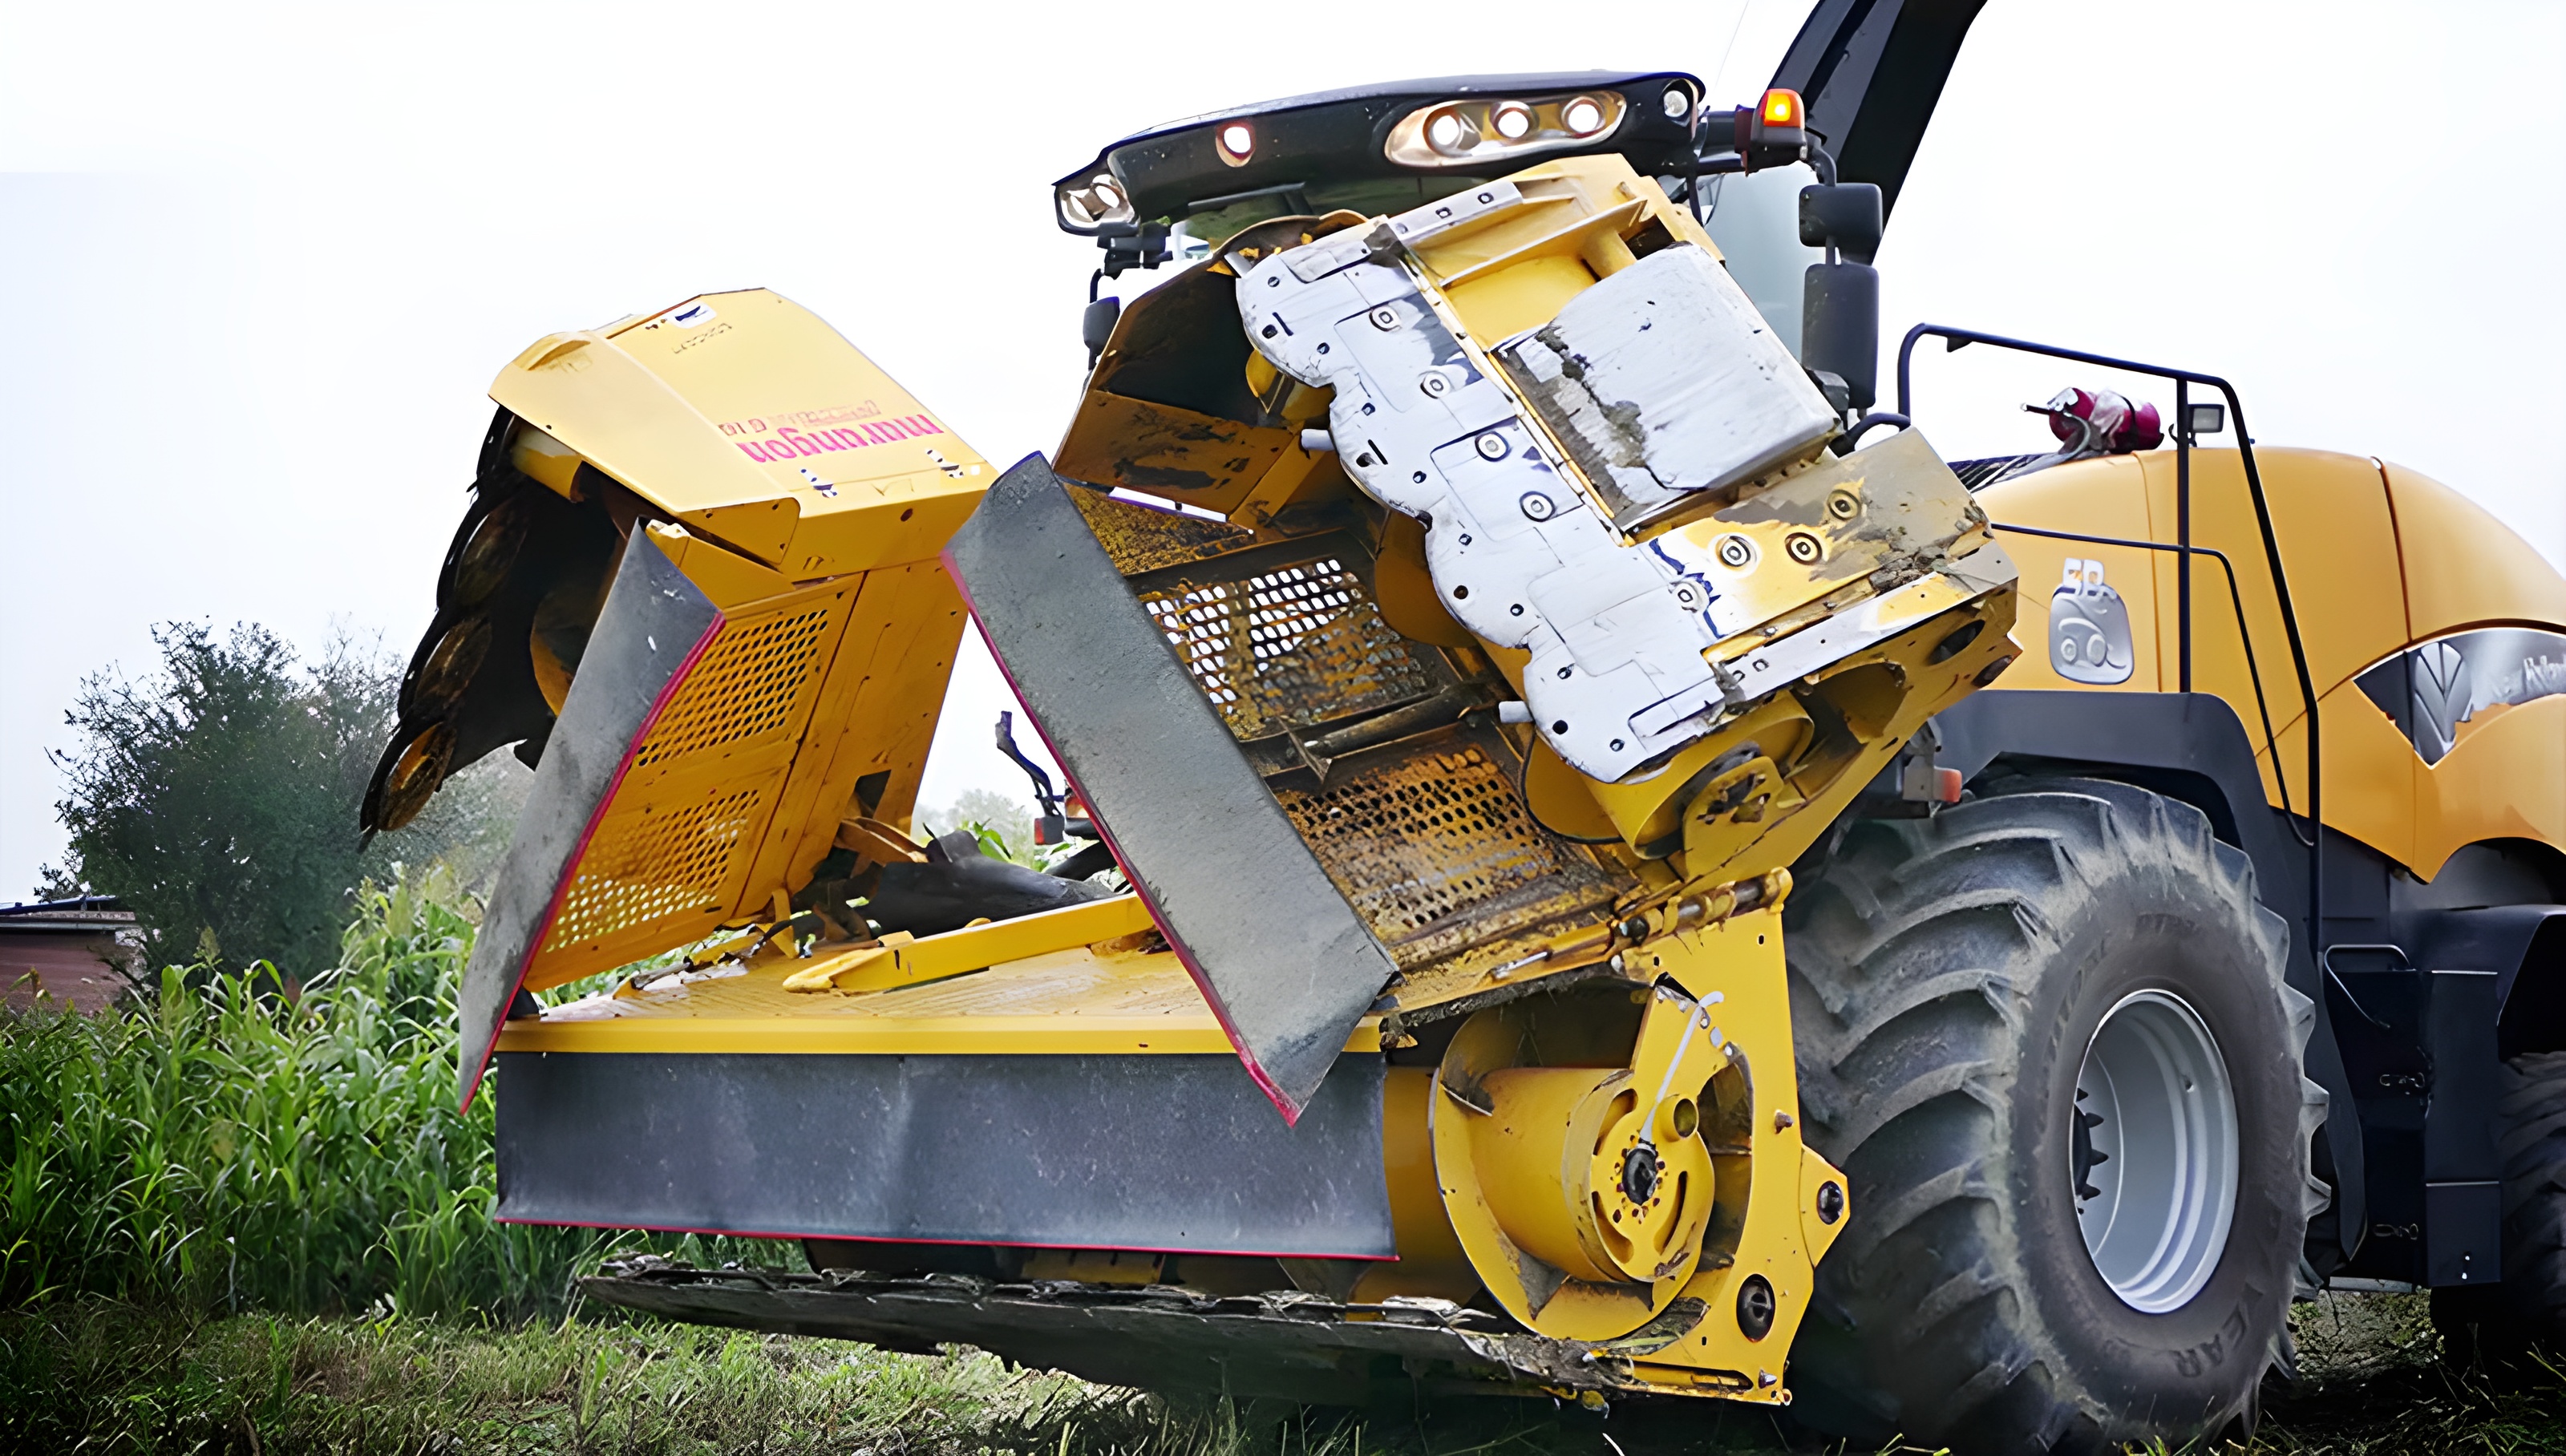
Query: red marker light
column 1781, row 108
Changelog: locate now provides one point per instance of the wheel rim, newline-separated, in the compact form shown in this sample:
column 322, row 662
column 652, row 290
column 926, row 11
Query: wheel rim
column 2152, row 1163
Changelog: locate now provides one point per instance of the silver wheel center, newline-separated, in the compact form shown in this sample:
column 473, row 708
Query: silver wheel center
column 2152, row 1153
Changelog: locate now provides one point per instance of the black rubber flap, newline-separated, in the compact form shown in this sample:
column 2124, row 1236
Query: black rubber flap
column 1277, row 952
column 654, row 627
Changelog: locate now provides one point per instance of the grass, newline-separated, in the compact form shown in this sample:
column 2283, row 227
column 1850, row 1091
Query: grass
column 107, row 1378
column 95, row 1376
column 2372, row 1383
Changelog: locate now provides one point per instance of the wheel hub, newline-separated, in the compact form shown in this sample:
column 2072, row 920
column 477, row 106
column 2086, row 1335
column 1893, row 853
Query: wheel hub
column 2152, row 1156
column 1639, row 1174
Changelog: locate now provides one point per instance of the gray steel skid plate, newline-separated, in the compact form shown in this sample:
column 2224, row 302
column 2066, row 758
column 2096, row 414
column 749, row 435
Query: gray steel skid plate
column 1284, row 961
column 1290, row 1346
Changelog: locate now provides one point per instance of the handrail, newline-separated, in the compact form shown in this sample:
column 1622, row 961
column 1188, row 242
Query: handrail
column 2271, row 741
column 2314, row 839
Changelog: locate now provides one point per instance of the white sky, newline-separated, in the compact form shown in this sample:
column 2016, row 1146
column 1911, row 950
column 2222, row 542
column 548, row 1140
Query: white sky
column 263, row 259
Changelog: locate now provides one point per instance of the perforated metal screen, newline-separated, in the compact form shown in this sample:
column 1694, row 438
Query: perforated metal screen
column 1426, row 837
column 755, row 675
column 673, row 847
column 662, row 861
column 1291, row 646
column 1430, row 842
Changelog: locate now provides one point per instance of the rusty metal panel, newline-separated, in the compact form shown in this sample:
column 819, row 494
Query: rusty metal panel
column 1280, row 954
column 655, row 625
column 1431, row 841
column 1160, row 448
column 1428, row 835
column 1146, row 538
column 1288, row 636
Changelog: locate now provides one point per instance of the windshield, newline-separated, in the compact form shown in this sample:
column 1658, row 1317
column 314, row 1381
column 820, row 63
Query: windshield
column 1755, row 220
column 1211, row 226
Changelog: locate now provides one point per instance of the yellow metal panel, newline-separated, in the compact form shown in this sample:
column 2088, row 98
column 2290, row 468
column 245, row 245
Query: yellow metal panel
column 730, row 579
column 1514, row 271
column 2338, row 545
column 1740, row 961
column 2370, row 772
column 752, row 421
column 630, row 423
column 2104, row 497
column 1118, row 443
column 1817, row 1230
column 898, row 656
column 909, row 619
column 972, row 948
column 671, row 853
column 1027, row 1036
column 1066, row 1002
column 1527, row 295
column 2504, row 780
column 2464, row 567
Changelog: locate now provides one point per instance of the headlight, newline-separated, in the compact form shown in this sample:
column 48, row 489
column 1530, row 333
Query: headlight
column 1098, row 200
column 1470, row 132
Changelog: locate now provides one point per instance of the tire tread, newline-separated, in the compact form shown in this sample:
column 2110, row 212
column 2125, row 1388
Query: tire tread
column 1909, row 949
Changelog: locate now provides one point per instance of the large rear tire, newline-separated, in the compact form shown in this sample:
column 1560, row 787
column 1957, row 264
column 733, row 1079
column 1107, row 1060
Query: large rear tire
column 2528, row 1310
column 1968, row 991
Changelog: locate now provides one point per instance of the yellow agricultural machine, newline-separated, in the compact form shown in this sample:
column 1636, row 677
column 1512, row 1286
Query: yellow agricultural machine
column 1566, row 882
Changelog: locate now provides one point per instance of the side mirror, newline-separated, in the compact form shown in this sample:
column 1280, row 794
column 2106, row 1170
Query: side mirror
column 2204, row 420
column 1096, row 326
column 1840, row 329
column 1845, row 216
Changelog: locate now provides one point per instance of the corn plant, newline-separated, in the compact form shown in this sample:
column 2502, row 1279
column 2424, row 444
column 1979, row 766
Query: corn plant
column 231, row 1146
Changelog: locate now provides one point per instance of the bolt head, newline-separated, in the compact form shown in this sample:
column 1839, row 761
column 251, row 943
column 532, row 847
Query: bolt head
column 1639, row 1172
column 1831, row 1201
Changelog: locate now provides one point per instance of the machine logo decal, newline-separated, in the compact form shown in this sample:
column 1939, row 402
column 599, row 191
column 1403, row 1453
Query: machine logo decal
column 685, row 315
column 2435, row 690
column 790, row 443
column 2089, row 627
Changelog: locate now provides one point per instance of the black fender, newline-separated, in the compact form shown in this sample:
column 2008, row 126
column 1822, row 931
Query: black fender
column 2192, row 747
column 2525, row 947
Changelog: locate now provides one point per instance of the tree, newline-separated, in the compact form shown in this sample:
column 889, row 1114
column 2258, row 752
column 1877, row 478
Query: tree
column 217, row 798
column 1008, row 820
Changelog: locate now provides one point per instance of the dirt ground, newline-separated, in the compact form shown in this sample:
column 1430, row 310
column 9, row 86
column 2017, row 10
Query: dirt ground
column 95, row 1377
